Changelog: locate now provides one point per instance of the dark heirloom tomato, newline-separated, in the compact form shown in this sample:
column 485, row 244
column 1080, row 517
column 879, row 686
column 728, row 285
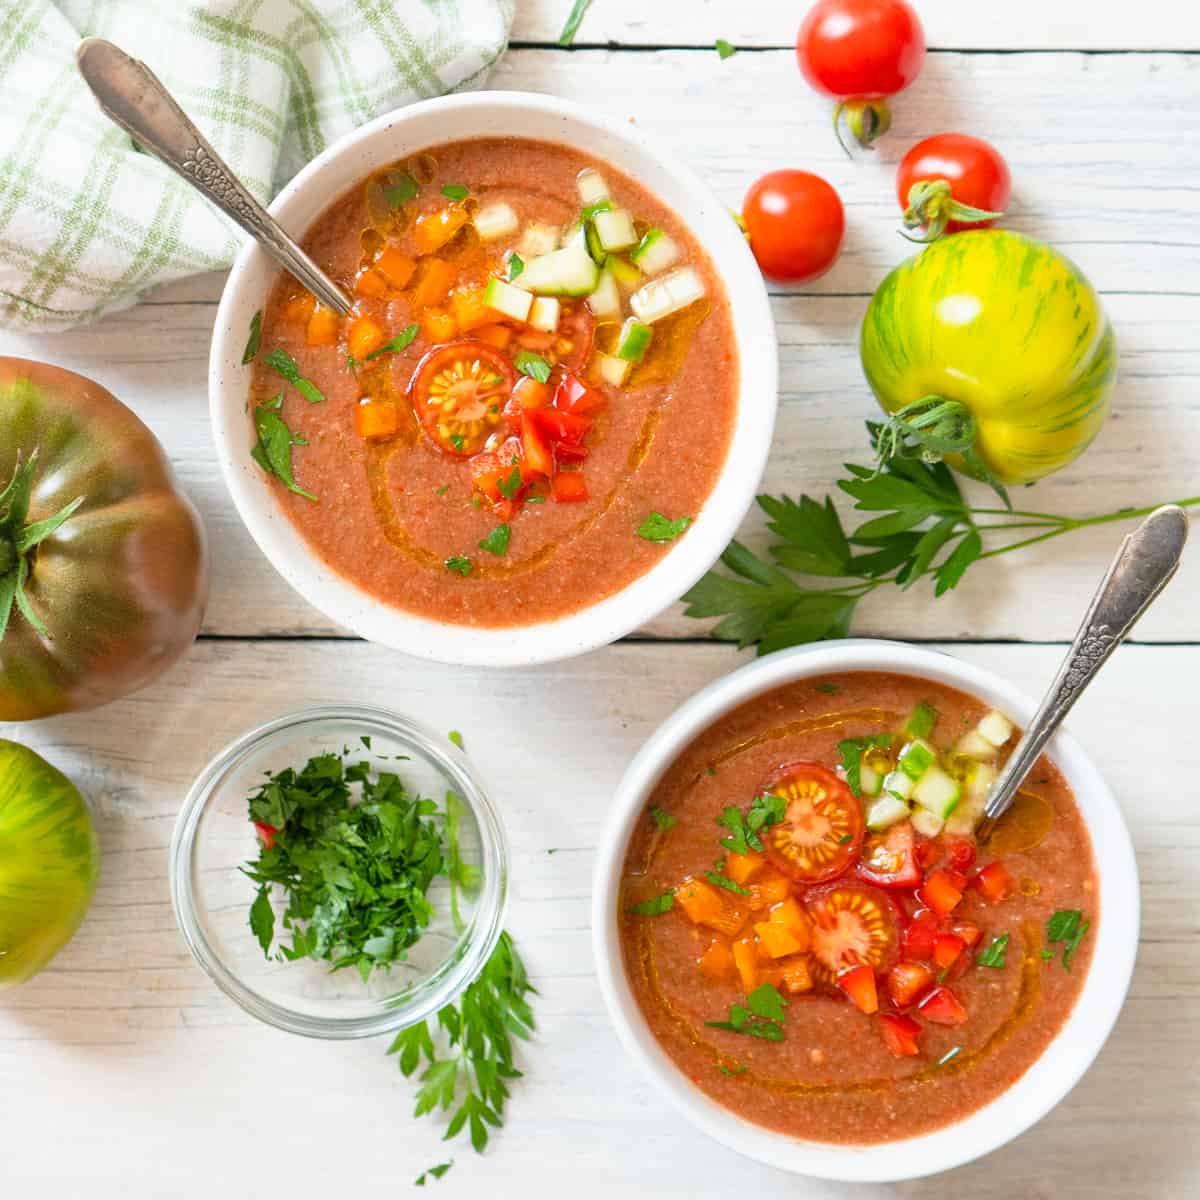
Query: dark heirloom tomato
column 889, row 859
column 821, row 830
column 458, row 392
column 853, row 924
column 118, row 589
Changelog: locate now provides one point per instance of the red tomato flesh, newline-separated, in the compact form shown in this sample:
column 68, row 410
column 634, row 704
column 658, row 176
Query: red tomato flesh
column 853, row 925
column 266, row 834
column 822, row 829
column 889, row 859
column 458, row 392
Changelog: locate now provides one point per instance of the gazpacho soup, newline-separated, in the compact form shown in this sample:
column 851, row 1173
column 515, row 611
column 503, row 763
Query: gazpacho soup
column 533, row 396
column 816, row 936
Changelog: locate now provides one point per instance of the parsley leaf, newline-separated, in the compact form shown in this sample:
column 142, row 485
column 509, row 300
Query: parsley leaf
column 724, row 49
column 760, row 1017
column 533, row 365
column 852, row 750
column 273, row 450
column 262, row 918
column 815, row 543
column 830, row 689
column 400, row 189
column 456, row 739
column 455, row 191
column 735, row 1069
column 516, row 264
column 459, row 565
column 731, row 818
column 766, row 809
column 994, row 954
column 401, row 341
column 655, row 906
column 434, row 1172
column 657, row 528
column 765, row 1001
column 510, row 485
column 254, row 340
column 282, row 363
column 663, row 819
column 717, row 879
column 496, row 542
column 1068, row 927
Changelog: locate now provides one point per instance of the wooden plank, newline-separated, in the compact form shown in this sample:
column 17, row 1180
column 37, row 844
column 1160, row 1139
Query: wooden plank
column 949, row 24
column 123, row 1047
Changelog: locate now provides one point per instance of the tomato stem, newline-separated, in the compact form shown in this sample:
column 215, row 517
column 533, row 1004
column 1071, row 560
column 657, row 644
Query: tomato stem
column 866, row 120
column 932, row 206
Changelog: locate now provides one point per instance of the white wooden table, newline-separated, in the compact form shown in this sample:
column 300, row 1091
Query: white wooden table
column 124, row 1072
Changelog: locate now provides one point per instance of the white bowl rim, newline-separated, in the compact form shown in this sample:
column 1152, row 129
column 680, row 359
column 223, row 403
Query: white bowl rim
column 601, row 623
column 1046, row 1082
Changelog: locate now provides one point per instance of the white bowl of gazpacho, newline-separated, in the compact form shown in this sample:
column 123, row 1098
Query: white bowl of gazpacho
column 546, row 414
column 801, row 938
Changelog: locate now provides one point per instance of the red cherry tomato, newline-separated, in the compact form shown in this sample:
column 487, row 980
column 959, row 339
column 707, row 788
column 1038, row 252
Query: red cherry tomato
column 821, row 830
column 860, row 51
column 795, row 222
column 458, row 392
column 889, row 859
column 951, row 182
column 852, row 925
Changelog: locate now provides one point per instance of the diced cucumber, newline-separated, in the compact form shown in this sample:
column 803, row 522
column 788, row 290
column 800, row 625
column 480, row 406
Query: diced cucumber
column 613, row 370
column 566, row 272
column 655, row 252
column 870, row 782
column 974, row 745
column 594, row 245
column 615, row 229
column 924, row 718
column 926, row 824
column 901, row 784
column 605, row 300
column 634, row 340
column 995, row 728
column 624, row 272
column 512, row 301
column 979, row 785
column 538, row 239
column 592, row 188
column 916, row 758
column 662, row 297
column 885, row 812
column 969, row 812
column 544, row 314
column 496, row 221
column 937, row 792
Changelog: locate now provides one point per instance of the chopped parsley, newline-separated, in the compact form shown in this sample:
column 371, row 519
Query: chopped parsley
column 459, row 565
column 457, row 441
column 456, row 738
column 830, row 689
column 400, row 191
column 994, row 954
column 761, row 1016
column 401, row 341
column 510, row 485
column 282, row 363
column 443, row 489
column 516, row 264
column 1068, row 927
column 852, row 751
column 655, row 906
column 254, row 340
column 455, row 191
column 735, row 1069
column 662, row 819
column 433, row 1172
column 950, row 1054
column 657, row 528
column 845, row 839
column 721, row 880
column 496, row 542
column 533, row 365
column 724, row 49
column 273, row 450
column 767, row 809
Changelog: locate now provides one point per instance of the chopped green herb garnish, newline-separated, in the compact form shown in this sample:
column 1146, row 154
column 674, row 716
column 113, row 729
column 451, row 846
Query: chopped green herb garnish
column 282, row 363
column 1046, row 954
column 953, row 1052
column 401, row 341
column 922, row 721
column 516, row 264
column 736, row 1069
column 1068, row 927
column 433, row 1172
column 352, row 364
column 457, row 441
column 496, row 542
column 845, row 839
column 455, row 191
column 510, row 485
column 830, row 689
column 476, row 501
column 459, row 565
column 663, row 819
column 657, row 528
column 574, row 19
column 273, row 450
column 724, row 49
column 456, row 738
column 852, row 751
column 443, row 489
column 254, row 340
column 711, row 771
column 994, row 954
column 535, row 499
column 400, row 191
column 767, row 809
column 533, row 365
column 655, row 906
column 717, row 879
column 760, row 1017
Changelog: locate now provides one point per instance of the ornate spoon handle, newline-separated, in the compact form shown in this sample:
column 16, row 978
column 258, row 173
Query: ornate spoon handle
column 1144, row 565
column 131, row 96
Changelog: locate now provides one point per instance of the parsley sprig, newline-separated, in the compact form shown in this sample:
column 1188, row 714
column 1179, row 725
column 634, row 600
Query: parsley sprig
column 1068, row 927
column 921, row 527
column 765, row 810
column 761, row 1016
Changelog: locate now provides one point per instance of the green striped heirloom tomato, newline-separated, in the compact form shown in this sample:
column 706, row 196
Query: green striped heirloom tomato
column 49, row 862
column 103, row 569
column 992, row 350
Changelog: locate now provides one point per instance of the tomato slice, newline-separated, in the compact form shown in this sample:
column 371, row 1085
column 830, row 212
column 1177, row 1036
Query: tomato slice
column 853, row 924
column 889, row 859
column 576, row 333
column 458, row 392
column 822, row 829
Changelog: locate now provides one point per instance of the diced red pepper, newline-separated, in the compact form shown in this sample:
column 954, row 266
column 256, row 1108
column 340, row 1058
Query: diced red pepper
column 859, row 984
column 994, row 882
column 528, row 393
column 558, row 426
column 907, row 982
column 574, row 396
column 961, row 853
column 926, row 853
column 569, row 487
column 564, row 452
column 940, row 891
column 946, row 949
column 537, row 452
column 899, row 1034
column 942, row 1007
column 968, row 932
column 917, row 942
column 266, row 834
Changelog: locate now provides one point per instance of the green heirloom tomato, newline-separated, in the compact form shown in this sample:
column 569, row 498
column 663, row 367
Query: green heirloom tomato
column 993, row 350
column 103, row 569
column 49, row 862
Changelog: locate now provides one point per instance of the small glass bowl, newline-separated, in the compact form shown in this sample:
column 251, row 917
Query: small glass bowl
column 214, row 838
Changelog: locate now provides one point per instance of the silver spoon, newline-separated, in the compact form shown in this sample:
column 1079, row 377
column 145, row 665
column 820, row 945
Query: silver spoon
column 1144, row 565
column 131, row 96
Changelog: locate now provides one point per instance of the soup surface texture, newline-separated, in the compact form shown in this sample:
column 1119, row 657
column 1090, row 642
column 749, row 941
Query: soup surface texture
column 843, row 983
column 481, row 441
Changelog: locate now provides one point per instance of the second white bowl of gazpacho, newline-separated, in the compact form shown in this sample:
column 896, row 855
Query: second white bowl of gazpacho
column 550, row 408
column 799, row 936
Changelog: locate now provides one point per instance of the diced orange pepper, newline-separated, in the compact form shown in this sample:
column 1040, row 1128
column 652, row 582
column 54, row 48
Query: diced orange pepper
column 777, row 941
column 790, row 916
column 433, row 230
column 322, row 327
column 741, row 868
column 700, row 901
column 717, row 961
column 438, row 325
column 469, row 309
column 370, row 283
column 397, row 268
column 745, row 958
column 376, row 420
column 797, row 974
column 365, row 335
column 434, row 283
column 496, row 335
column 300, row 308
column 770, row 889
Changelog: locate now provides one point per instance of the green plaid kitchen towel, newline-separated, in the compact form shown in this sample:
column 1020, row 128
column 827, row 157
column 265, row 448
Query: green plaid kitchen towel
column 88, row 223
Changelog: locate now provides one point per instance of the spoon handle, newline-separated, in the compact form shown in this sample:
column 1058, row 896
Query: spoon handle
column 1147, row 559
column 131, row 96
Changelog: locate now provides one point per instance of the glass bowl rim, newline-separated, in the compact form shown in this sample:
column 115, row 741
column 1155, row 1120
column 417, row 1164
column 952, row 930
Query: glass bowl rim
column 427, row 997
